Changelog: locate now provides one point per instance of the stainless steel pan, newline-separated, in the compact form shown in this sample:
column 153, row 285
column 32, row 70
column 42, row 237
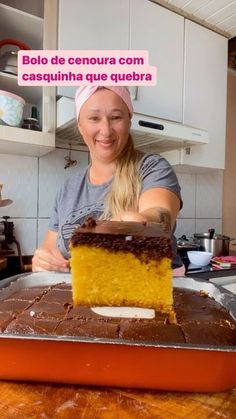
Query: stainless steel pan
column 8, row 59
column 218, row 244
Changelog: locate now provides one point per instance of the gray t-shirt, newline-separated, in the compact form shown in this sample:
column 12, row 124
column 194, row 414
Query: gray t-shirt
column 78, row 199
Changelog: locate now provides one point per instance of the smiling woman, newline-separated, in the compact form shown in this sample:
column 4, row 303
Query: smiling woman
column 104, row 124
column 120, row 183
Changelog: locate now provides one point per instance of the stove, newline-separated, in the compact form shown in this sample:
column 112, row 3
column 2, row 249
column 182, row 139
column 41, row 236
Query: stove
column 207, row 272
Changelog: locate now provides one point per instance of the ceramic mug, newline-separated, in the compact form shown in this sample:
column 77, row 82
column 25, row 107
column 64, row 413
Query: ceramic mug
column 11, row 108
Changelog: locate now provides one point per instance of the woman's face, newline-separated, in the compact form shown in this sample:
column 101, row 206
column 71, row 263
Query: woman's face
column 104, row 123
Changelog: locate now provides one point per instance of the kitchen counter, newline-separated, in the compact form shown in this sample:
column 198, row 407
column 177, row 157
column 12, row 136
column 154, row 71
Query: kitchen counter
column 223, row 277
column 208, row 272
column 24, row 400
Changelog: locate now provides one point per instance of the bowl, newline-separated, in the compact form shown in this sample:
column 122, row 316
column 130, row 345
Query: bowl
column 11, row 109
column 199, row 258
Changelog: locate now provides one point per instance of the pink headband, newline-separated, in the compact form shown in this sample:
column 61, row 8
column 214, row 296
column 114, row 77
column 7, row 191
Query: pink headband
column 84, row 92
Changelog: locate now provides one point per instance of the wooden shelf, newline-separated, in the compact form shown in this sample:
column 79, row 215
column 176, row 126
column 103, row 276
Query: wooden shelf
column 31, row 94
column 25, row 142
column 22, row 26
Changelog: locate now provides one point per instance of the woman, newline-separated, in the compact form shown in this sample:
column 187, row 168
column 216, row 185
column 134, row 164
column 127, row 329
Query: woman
column 119, row 184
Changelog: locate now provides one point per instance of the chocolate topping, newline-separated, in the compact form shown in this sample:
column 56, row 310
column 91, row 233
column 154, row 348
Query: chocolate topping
column 90, row 222
column 122, row 228
column 145, row 240
column 200, row 319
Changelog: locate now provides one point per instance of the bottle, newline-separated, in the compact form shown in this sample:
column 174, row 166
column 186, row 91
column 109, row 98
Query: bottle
column 34, row 112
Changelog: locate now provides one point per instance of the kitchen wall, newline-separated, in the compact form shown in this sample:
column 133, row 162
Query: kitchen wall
column 202, row 198
column 32, row 184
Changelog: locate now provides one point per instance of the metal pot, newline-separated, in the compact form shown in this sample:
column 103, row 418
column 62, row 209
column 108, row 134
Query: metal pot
column 184, row 245
column 218, row 244
column 8, row 59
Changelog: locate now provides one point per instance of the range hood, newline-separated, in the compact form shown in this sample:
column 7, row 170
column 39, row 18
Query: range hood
column 149, row 133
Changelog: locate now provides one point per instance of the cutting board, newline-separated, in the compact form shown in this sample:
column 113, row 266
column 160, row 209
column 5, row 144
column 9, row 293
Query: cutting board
column 20, row 400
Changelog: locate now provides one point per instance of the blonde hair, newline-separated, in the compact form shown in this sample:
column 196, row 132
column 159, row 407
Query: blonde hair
column 125, row 188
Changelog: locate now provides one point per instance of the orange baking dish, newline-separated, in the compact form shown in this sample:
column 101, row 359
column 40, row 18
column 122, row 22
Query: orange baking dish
column 107, row 362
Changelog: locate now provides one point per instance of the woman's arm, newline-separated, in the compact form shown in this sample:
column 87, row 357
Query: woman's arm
column 48, row 257
column 158, row 205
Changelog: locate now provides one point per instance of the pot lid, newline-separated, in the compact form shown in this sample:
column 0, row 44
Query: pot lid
column 207, row 236
column 183, row 242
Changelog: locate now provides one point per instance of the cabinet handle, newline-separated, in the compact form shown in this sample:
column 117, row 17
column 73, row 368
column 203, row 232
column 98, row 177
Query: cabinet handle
column 152, row 125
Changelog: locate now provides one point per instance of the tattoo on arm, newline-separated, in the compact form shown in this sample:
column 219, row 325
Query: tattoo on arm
column 159, row 215
column 164, row 218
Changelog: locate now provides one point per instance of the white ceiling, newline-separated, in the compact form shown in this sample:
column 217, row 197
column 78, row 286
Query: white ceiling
column 218, row 14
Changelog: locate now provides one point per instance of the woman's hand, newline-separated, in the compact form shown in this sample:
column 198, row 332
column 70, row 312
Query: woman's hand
column 129, row 216
column 49, row 260
column 48, row 257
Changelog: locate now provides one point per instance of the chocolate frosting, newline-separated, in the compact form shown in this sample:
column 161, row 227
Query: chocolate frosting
column 145, row 240
column 122, row 228
column 200, row 319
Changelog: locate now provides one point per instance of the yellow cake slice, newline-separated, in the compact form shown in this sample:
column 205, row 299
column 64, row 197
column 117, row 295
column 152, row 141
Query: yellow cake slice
column 122, row 264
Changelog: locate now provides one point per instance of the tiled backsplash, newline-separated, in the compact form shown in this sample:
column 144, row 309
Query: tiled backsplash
column 32, row 184
column 202, row 196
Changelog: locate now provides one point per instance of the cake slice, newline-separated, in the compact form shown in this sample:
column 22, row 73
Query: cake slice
column 122, row 264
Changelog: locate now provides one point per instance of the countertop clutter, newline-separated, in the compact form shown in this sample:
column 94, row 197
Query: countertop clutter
column 208, row 272
column 24, row 400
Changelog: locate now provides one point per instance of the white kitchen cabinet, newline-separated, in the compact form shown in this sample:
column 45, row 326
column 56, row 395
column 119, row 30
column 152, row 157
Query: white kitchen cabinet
column 131, row 24
column 92, row 25
column 39, row 33
column 161, row 32
column 205, row 92
column 191, row 66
